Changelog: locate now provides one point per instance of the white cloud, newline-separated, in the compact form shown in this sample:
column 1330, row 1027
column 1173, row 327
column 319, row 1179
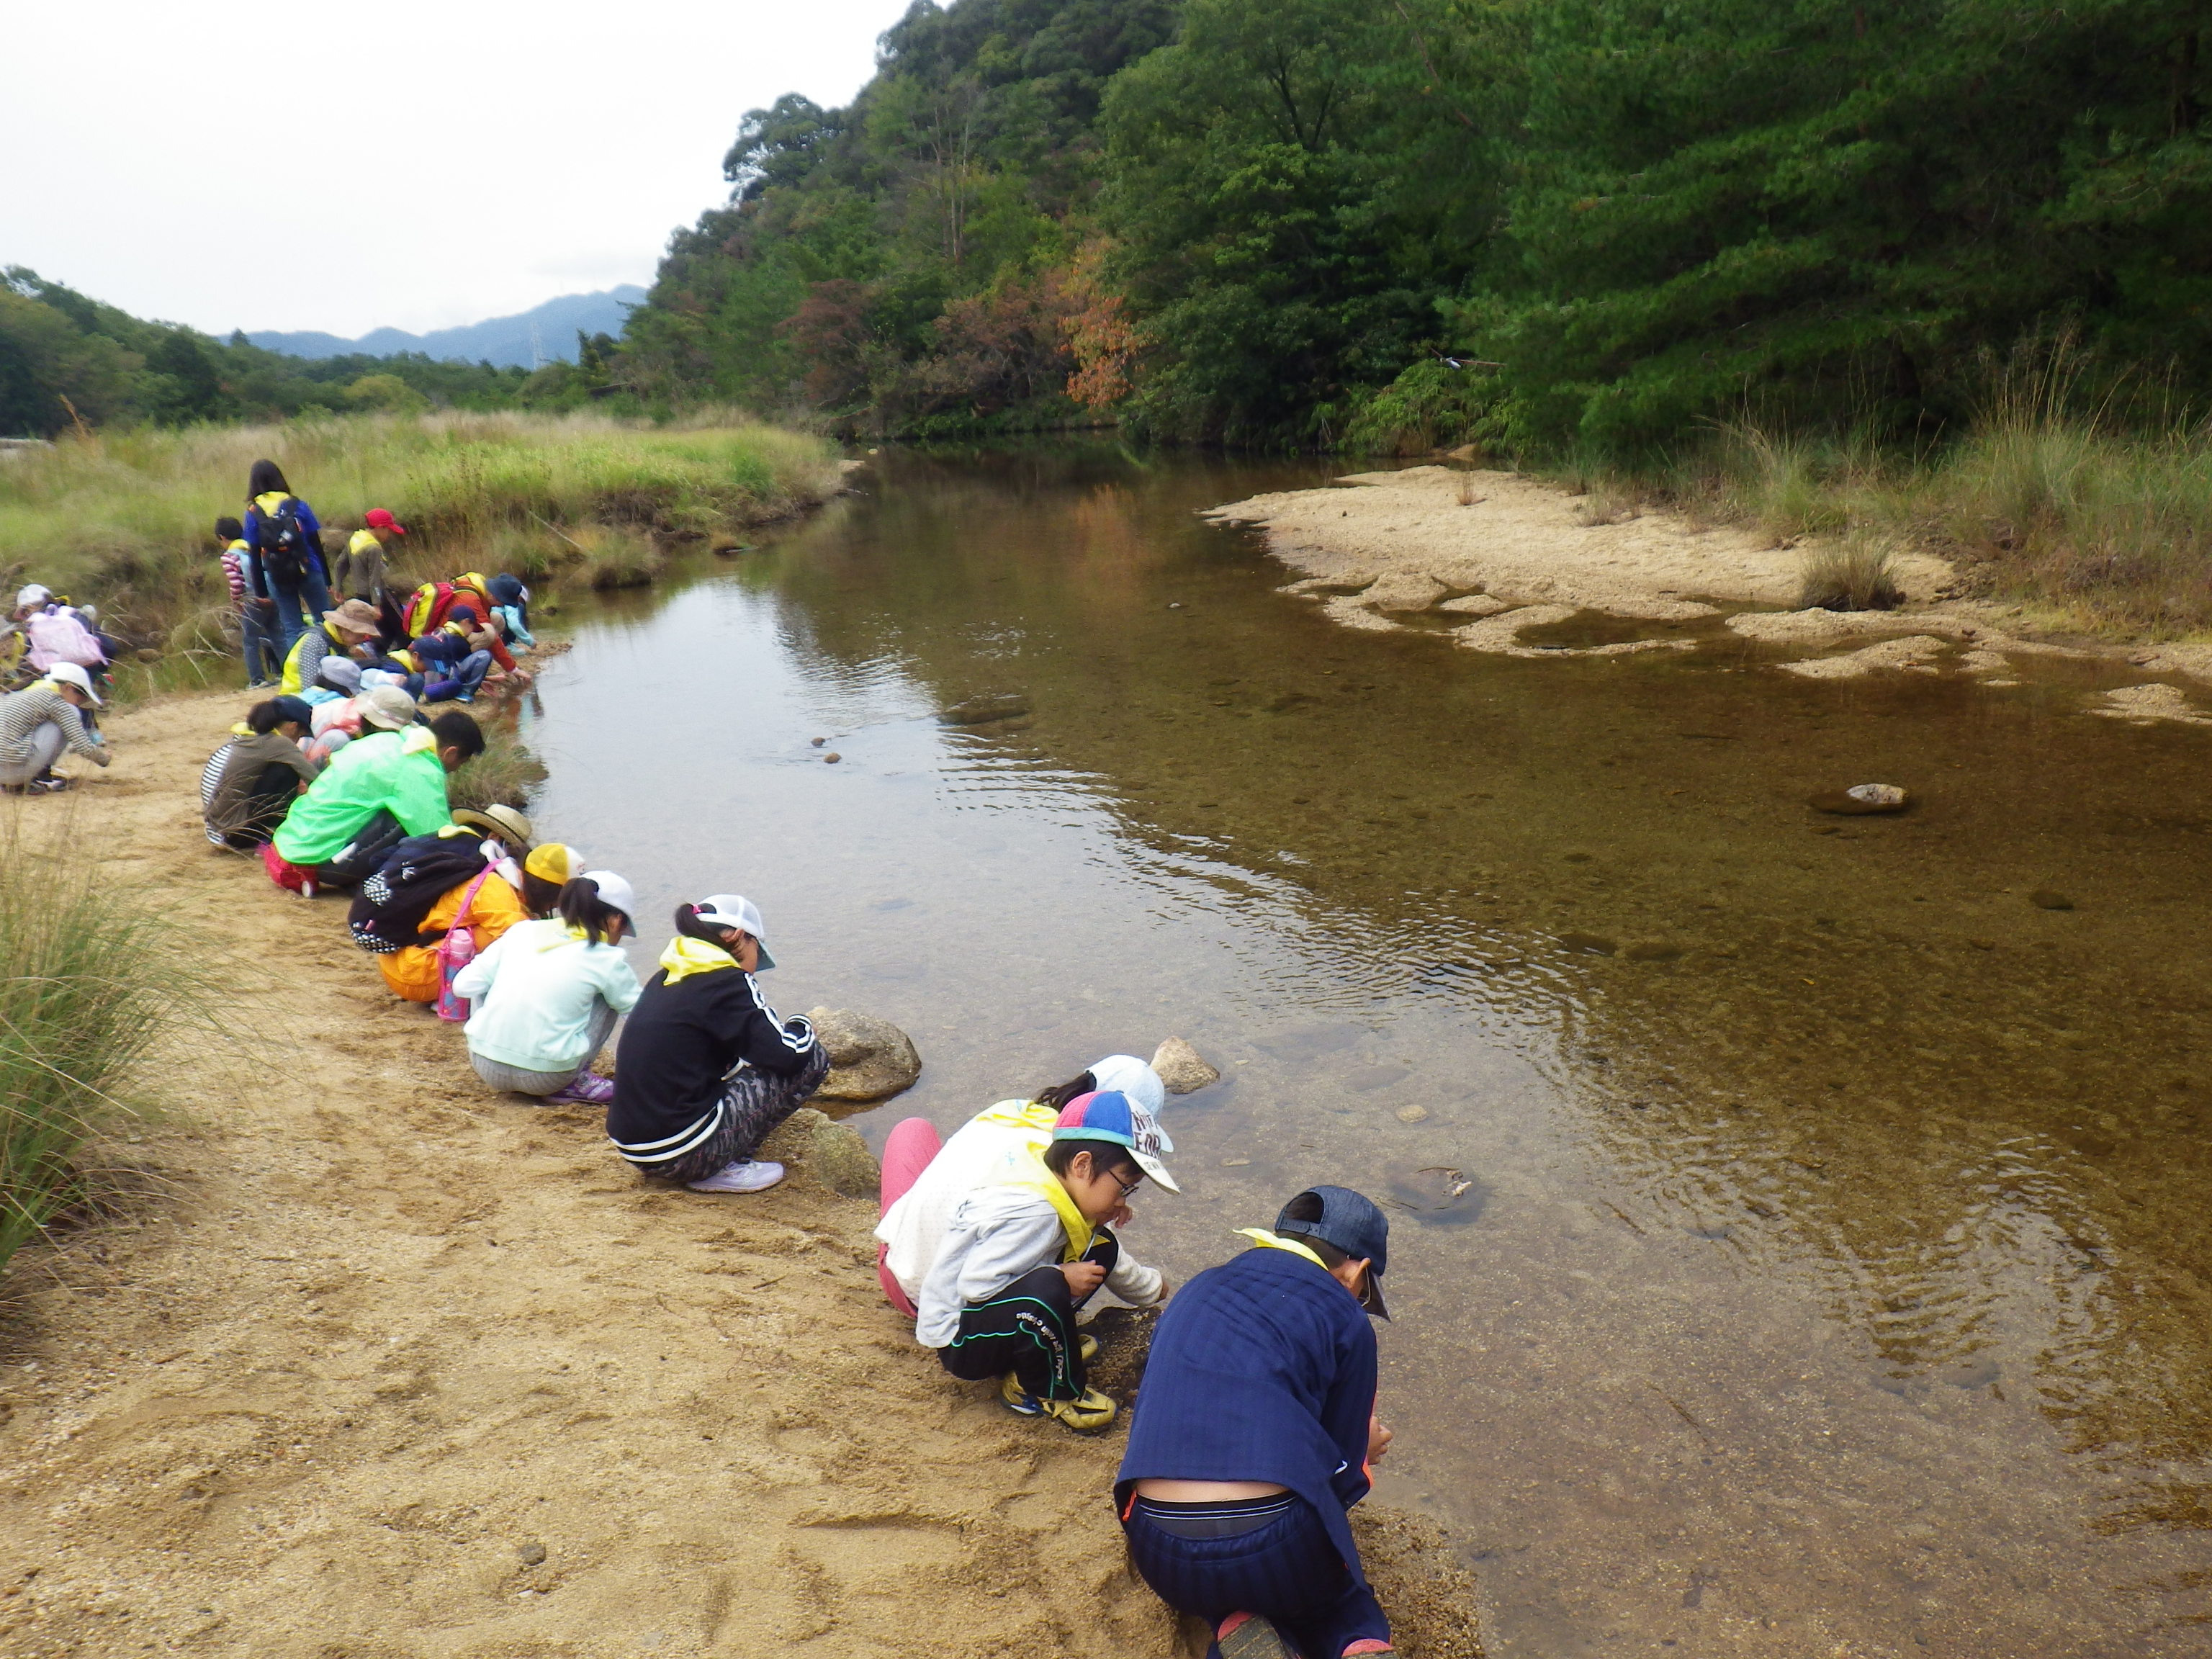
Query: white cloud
column 419, row 163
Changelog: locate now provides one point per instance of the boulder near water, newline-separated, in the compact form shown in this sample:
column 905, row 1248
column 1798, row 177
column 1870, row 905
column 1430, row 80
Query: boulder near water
column 870, row 1059
column 1181, row 1068
column 982, row 711
column 832, row 1152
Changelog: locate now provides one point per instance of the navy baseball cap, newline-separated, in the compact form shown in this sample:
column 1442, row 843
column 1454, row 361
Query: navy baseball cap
column 1352, row 1224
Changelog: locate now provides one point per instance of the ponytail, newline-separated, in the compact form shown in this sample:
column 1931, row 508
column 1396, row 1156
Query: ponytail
column 1061, row 1093
column 688, row 924
column 582, row 908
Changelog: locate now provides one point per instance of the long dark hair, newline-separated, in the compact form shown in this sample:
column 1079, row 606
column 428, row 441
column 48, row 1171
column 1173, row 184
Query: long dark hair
column 582, row 907
column 540, row 896
column 1061, row 1093
column 266, row 477
column 688, row 924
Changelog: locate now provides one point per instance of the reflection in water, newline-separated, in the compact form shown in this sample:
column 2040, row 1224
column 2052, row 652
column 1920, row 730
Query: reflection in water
column 1803, row 1232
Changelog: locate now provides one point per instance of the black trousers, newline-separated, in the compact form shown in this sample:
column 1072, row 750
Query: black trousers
column 1029, row 1329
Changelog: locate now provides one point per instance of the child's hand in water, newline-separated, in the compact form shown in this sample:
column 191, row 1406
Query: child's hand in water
column 1083, row 1277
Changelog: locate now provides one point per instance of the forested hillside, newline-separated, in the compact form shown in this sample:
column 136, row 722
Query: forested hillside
column 65, row 357
column 1558, row 224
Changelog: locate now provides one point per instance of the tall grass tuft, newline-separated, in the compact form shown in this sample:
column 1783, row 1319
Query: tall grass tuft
column 506, row 774
column 88, row 983
column 123, row 517
column 1855, row 572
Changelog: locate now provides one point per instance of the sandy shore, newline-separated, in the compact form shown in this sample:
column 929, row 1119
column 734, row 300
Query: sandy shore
column 380, row 1364
column 1385, row 548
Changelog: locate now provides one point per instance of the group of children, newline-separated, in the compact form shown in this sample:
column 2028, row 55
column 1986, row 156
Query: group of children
column 1256, row 1427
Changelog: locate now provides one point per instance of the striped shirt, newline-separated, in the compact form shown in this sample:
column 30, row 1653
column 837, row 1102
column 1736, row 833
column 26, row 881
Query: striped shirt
column 235, row 572
column 22, row 713
column 210, row 775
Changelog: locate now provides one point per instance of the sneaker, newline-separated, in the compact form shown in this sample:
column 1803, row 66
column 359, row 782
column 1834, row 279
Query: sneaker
column 307, row 888
column 1088, row 1347
column 1087, row 1415
column 1247, row 1636
column 46, row 786
column 587, row 1089
column 744, row 1177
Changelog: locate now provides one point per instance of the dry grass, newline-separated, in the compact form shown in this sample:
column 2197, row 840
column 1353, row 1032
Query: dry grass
column 123, row 517
column 1854, row 572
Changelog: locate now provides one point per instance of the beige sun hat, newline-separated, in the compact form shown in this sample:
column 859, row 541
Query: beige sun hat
column 503, row 822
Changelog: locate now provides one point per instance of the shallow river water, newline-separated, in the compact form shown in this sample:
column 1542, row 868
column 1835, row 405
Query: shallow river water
column 1830, row 1276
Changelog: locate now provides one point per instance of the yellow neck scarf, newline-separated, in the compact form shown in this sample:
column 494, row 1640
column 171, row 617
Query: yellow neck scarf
column 1032, row 1176
column 1020, row 1115
column 1268, row 1241
column 686, row 956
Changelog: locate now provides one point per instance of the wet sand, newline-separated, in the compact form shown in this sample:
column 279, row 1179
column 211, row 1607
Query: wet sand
column 375, row 1364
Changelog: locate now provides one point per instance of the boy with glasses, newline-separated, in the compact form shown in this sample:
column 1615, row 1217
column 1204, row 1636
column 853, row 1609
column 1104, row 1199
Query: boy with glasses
column 1026, row 1252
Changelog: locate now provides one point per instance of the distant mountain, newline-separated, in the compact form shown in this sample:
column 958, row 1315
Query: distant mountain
column 534, row 337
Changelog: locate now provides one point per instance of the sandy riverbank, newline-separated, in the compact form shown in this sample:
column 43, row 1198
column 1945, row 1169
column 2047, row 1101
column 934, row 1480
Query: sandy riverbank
column 380, row 1364
column 1398, row 550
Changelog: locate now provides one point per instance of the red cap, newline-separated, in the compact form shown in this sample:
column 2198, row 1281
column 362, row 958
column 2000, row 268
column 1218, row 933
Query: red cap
column 380, row 518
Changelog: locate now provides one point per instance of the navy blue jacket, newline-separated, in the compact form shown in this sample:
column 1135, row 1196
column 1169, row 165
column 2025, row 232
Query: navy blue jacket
column 1262, row 1368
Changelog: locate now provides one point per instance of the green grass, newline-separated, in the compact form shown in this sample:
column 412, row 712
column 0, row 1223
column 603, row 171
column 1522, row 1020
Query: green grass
column 89, row 980
column 123, row 518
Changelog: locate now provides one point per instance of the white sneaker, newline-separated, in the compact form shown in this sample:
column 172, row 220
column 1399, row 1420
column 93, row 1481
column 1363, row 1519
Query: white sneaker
column 752, row 1177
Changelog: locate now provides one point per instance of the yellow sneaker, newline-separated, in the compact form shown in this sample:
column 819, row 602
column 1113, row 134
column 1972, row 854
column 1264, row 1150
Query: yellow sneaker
column 1088, row 1347
column 1093, row 1411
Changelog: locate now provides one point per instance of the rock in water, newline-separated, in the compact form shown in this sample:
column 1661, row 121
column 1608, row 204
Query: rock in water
column 832, row 1152
column 2049, row 898
column 1862, row 797
column 870, row 1059
column 982, row 711
column 1181, row 1069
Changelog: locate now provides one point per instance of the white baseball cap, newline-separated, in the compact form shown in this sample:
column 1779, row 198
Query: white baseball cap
column 1136, row 1079
column 615, row 893
column 736, row 910
column 69, row 673
column 35, row 594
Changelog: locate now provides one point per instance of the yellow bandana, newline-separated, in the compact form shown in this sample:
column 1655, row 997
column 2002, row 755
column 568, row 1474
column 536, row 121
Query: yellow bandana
column 686, row 956
column 1020, row 1115
column 1032, row 1176
column 1268, row 1241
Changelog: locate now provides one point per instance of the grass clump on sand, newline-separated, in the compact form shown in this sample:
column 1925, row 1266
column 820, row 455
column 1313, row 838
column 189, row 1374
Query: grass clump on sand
column 123, row 518
column 88, row 984
column 505, row 774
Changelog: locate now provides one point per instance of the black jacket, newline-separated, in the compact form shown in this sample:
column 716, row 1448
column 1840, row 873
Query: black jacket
column 678, row 1046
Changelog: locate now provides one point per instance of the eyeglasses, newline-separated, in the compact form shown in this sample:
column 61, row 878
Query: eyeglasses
column 1127, row 1187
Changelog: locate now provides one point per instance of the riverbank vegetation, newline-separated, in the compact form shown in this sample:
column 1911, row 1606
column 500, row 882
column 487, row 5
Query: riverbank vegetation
column 86, row 991
column 1602, row 235
column 123, row 517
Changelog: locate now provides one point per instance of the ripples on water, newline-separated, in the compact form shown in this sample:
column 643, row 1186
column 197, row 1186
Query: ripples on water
column 1801, row 1235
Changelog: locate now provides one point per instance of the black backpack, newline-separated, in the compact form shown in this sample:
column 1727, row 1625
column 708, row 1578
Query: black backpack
column 284, row 543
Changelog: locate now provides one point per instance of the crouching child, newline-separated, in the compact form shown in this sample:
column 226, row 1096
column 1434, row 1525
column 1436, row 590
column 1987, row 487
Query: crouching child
column 1024, row 1254
column 1254, row 1434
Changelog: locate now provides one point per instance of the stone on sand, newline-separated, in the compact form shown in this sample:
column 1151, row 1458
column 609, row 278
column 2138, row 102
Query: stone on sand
column 1181, row 1068
column 832, row 1152
column 1403, row 591
column 870, row 1059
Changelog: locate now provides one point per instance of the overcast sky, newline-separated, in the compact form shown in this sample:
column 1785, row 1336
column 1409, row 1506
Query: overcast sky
column 419, row 163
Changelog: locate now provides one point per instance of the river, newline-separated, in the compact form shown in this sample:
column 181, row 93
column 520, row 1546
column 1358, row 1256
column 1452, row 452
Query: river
column 1826, row 1269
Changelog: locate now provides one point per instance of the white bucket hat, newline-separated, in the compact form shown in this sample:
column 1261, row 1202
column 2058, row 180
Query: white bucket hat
column 69, row 673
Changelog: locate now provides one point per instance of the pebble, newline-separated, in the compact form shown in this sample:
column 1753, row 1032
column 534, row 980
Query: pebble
column 1235, row 1162
column 1411, row 1115
column 2047, row 898
column 1595, row 945
column 831, row 758
column 531, row 1552
column 816, row 743
column 1862, row 797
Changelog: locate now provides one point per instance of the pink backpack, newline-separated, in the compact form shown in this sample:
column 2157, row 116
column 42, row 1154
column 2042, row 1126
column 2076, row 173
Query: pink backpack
column 456, row 951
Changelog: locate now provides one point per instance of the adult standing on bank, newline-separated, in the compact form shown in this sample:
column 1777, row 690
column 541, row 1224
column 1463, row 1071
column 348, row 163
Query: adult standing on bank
column 291, row 583
column 705, row 1068
column 42, row 720
column 1253, row 1436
